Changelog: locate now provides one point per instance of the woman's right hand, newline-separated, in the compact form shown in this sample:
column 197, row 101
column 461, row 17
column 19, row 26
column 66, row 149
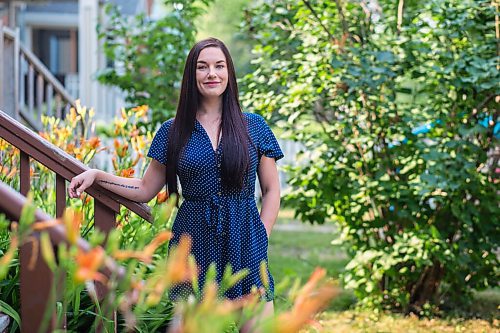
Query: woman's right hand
column 81, row 182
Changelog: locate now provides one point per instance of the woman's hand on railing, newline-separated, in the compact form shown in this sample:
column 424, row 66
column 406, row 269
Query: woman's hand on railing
column 135, row 189
column 81, row 182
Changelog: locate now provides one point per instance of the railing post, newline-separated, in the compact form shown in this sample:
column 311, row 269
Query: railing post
column 49, row 96
column 60, row 195
column 104, row 217
column 31, row 89
column 22, row 84
column 24, row 167
column 2, row 50
column 17, row 54
column 39, row 95
column 36, row 283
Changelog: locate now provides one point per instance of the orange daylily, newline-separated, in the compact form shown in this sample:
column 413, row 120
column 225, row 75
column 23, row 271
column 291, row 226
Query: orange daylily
column 3, row 145
column 162, row 197
column 127, row 173
column 124, row 113
column 72, row 222
column 175, row 270
column 311, row 298
column 88, row 264
column 145, row 255
column 178, row 269
column 140, row 111
column 94, row 142
column 42, row 225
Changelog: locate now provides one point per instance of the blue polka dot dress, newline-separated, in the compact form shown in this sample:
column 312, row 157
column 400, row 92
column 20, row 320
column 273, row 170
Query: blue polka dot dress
column 224, row 225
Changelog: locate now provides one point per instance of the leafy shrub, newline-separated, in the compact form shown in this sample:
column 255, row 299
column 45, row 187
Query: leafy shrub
column 397, row 110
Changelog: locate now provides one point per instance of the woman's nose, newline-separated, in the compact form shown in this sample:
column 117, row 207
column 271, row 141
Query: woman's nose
column 211, row 72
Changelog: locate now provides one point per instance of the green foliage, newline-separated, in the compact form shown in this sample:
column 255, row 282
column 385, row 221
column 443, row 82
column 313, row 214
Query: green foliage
column 418, row 210
column 222, row 20
column 148, row 56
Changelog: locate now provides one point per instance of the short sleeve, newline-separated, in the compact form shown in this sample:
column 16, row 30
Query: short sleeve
column 268, row 145
column 158, row 148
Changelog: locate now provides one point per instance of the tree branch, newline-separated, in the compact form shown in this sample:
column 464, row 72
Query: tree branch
column 308, row 5
column 401, row 5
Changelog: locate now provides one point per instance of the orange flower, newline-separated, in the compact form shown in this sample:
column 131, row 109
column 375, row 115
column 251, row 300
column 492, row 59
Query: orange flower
column 178, row 267
column 88, row 264
column 72, row 222
column 3, row 145
column 140, row 111
column 94, row 142
column 124, row 113
column 42, row 225
column 175, row 270
column 145, row 255
column 70, row 147
column 72, row 116
column 12, row 173
column 128, row 173
column 115, row 163
column 313, row 296
column 123, row 151
column 162, row 197
column 116, row 144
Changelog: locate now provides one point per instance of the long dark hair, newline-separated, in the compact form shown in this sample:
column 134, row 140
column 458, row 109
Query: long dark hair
column 235, row 138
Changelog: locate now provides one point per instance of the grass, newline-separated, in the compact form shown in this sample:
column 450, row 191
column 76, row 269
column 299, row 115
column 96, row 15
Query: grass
column 295, row 249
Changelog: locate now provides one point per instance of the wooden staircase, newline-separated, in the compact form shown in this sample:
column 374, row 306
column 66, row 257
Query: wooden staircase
column 28, row 89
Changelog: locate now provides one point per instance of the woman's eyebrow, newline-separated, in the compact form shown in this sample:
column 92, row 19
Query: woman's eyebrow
column 204, row 62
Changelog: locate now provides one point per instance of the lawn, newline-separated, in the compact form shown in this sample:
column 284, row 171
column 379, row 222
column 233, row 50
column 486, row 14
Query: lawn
column 295, row 249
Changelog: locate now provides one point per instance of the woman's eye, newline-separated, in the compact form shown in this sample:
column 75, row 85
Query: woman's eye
column 201, row 67
column 220, row 66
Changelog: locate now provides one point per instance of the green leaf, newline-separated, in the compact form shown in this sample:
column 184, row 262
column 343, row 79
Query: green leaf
column 8, row 310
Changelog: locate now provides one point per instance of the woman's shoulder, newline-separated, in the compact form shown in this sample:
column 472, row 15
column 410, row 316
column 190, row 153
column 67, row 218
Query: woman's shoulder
column 165, row 126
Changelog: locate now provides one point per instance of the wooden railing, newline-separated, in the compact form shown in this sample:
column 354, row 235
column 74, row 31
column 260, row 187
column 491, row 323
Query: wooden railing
column 27, row 88
column 106, row 206
column 36, row 278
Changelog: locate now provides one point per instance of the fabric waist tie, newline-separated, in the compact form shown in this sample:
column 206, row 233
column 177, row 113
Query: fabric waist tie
column 213, row 205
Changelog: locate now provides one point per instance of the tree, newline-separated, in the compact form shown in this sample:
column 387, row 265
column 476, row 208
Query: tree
column 396, row 105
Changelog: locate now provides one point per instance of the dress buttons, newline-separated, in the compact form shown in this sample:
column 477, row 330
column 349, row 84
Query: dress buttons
column 219, row 193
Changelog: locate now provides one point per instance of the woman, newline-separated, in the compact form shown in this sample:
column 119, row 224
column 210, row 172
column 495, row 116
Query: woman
column 216, row 151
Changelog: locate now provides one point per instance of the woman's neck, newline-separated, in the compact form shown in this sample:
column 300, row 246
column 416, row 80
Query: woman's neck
column 210, row 107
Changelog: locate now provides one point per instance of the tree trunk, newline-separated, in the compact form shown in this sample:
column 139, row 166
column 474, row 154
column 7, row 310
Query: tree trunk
column 426, row 287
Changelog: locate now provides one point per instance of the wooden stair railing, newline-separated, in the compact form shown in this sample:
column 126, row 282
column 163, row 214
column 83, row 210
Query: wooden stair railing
column 36, row 279
column 27, row 88
column 31, row 145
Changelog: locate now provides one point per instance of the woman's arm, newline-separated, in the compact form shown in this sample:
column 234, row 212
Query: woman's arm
column 270, row 187
column 135, row 189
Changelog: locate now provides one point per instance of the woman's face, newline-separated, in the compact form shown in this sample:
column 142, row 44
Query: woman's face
column 211, row 72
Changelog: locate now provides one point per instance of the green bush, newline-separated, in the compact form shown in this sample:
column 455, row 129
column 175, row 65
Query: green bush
column 397, row 110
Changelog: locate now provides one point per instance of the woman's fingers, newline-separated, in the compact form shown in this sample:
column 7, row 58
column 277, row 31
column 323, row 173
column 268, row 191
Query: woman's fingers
column 75, row 187
column 80, row 183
